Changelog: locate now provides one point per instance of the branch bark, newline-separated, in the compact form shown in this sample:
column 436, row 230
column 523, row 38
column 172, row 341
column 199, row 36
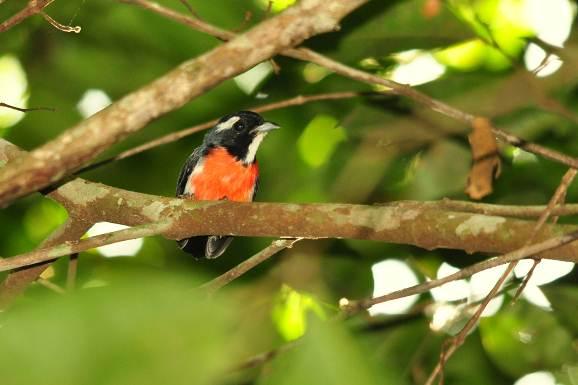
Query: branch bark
column 85, row 141
column 365, row 77
column 17, row 282
column 354, row 306
column 33, row 7
column 424, row 224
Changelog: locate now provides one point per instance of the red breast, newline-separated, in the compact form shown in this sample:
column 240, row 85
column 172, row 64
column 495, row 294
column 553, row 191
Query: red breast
column 223, row 176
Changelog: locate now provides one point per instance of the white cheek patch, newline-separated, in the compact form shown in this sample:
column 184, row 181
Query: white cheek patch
column 253, row 147
column 189, row 188
column 226, row 125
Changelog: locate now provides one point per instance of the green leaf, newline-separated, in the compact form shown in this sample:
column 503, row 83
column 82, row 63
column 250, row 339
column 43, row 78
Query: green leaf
column 320, row 139
column 441, row 171
column 13, row 91
column 149, row 330
column 276, row 5
column 291, row 311
column 42, row 218
column 386, row 27
column 522, row 338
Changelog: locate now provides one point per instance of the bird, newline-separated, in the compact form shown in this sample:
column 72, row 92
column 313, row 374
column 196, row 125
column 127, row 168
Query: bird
column 223, row 167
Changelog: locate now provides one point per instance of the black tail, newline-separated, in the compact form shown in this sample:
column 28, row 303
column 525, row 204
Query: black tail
column 205, row 247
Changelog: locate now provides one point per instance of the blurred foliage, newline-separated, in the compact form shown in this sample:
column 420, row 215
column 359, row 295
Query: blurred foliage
column 137, row 320
column 319, row 140
column 146, row 329
column 291, row 311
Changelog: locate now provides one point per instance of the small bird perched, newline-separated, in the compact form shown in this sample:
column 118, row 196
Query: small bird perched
column 223, row 167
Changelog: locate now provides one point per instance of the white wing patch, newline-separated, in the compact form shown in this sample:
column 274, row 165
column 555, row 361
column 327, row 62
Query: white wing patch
column 189, row 189
column 226, row 125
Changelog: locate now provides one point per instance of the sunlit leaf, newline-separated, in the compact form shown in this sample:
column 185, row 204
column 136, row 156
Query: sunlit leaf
column 466, row 56
column 388, row 276
column 42, row 218
column 291, row 312
column 415, row 67
column 125, row 248
column 313, row 73
column 250, row 80
column 13, row 91
column 320, row 139
column 276, row 5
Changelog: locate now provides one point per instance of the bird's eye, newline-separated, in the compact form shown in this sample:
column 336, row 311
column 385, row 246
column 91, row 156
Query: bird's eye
column 239, row 126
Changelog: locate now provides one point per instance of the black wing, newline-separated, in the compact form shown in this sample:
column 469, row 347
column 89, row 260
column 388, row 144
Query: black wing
column 187, row 169
column 255, row 189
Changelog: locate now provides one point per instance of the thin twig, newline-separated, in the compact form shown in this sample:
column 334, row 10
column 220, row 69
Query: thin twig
column 246, row 18
column 350, row 306
column 276, row 246
column 27, row 109
column 32, row 8
column 189, row 7
column 459, row 339
column 17, row 281
column 80, row 144
column 172, row 137
column 557, row 199
column 524, row 283
column 261, row 358
column 51, row 253
column 500, row 210
column 193, row 22
column 341, row 69
column 60, row 26
column 51, row 285
column 544, row 102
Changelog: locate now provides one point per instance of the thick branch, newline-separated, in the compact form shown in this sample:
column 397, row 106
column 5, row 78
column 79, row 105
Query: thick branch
column 420, row 225
column 82, row 143
column 424, row 224
column 365, row 77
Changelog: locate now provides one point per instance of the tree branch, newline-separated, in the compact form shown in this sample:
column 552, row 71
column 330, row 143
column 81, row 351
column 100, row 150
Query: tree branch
column 350, row 306
column 18, row 281
column 85, row 141
column 76, row 246
column 26, row 109
column 424, row 224
column 455, row 342
column 174, row 136
column 32, row 8
column 276, row 246
column 364, row 77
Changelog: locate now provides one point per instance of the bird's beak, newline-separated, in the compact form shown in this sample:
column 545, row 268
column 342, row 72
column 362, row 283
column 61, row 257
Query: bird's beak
column 266, row 127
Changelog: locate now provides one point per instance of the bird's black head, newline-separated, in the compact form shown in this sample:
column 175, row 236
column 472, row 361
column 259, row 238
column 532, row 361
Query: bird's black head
column 240, row 133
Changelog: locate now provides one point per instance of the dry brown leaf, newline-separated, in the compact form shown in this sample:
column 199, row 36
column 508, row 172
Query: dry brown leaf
column 431, row 8
column 486, row 162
